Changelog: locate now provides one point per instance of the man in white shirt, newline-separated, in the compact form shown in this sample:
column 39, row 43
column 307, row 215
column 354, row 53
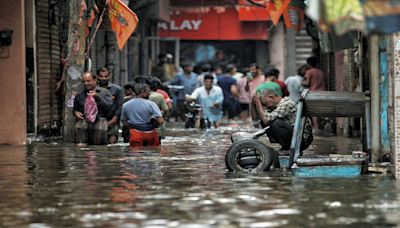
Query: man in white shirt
column 210, row 97
column 294, row 83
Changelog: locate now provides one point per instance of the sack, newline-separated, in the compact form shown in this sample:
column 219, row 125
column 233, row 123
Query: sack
column 90, row 109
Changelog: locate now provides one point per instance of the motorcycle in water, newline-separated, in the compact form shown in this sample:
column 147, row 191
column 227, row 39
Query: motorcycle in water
column 193, row 114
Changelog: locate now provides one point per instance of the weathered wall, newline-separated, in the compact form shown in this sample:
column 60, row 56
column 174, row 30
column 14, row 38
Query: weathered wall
column 396, row 97
column 12, row 75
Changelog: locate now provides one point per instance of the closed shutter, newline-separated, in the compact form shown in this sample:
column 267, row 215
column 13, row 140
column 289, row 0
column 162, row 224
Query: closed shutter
column 351, row 70
column 327, row 65
column 48, row 63
column 304, row 47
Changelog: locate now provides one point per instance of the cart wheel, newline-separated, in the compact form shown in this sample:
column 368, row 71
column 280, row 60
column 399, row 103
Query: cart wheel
column 248, row 155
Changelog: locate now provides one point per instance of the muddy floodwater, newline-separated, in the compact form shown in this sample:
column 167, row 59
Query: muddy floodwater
column 182, row 184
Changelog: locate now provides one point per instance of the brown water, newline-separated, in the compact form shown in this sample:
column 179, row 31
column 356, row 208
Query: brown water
column 183, row 184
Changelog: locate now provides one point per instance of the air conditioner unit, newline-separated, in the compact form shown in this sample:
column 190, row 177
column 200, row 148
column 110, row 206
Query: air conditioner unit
column 159, row 11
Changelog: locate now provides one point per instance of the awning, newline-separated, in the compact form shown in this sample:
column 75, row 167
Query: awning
column 252, row 13
column 368, row 16
column 212, row 23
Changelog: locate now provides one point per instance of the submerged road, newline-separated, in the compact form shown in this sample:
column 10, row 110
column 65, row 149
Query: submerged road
column 182, row 184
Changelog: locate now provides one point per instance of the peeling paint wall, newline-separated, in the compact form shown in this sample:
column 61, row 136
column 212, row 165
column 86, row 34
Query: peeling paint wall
column 12, row 75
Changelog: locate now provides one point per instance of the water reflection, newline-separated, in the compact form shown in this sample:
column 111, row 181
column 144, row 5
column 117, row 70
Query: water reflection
column 182, row 184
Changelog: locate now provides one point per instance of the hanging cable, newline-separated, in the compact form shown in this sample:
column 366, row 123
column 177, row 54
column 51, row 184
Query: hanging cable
column 95, row 31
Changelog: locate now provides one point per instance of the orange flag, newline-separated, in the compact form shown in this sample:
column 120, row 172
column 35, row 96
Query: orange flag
column 277, row 9
column 123, row 21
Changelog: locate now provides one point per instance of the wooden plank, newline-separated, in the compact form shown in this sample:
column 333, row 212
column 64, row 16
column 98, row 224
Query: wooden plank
column 328, row 171
column 335, row 104
column 381, row 168
column 329, row 161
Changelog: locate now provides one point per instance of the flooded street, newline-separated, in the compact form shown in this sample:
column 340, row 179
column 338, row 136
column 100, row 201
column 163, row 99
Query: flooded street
column 183, row 184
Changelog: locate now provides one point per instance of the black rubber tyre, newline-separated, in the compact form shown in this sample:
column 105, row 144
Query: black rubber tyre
column 248, row 155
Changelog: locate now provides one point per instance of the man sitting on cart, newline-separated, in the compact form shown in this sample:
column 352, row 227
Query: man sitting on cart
column 279, row 114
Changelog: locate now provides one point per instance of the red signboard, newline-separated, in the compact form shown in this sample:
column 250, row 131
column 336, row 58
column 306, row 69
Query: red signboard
column 212, row 24
column 253, row 13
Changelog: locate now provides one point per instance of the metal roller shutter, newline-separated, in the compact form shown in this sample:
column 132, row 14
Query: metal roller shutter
column 327, row 65
column 48, row 63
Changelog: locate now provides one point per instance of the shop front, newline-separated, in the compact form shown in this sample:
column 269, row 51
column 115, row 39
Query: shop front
column 218, row 35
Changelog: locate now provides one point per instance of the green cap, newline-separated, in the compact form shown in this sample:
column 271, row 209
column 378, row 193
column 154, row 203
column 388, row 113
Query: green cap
column 272, row 86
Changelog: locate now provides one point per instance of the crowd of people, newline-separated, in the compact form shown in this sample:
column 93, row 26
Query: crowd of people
column 141, row 107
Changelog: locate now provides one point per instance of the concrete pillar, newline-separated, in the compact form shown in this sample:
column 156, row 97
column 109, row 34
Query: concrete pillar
column 290, row 67
column 262, row 57
column 73, row 83
column 374, row 87
column 12, row 75
column 396, row 97
column 277, row 48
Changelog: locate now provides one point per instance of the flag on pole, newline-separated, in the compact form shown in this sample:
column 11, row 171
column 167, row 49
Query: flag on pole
column 123, row 21
column 277, row 9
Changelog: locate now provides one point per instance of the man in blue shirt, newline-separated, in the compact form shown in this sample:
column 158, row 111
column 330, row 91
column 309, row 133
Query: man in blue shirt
column 230, row 91
column 142, row 116
column 189, row 81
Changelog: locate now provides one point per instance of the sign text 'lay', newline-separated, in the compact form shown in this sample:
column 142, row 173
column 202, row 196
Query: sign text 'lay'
column 184, row 25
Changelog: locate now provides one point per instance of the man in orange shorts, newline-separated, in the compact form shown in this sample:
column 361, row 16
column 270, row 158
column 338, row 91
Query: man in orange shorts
column 142, row 116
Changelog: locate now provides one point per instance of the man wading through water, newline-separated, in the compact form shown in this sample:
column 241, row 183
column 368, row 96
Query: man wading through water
column 142, row 116
column 91, row 107
column 117, row 98
column 210, row 98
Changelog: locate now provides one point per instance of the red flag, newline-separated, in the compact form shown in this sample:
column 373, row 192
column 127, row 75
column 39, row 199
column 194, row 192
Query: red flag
column 123, row 21
column 294, row 17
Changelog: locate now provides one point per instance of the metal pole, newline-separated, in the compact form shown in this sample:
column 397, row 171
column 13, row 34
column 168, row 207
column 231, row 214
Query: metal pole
column 374, row 87
column 368, row 126
column 360, row 61
column 177, row 53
